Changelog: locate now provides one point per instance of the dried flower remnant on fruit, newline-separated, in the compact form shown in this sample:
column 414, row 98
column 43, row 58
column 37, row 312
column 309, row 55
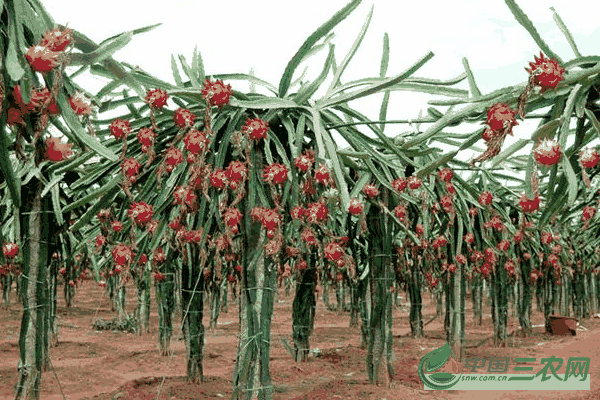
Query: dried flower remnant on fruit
column 477, row 257
column 518, row 237
column 588, row 158
column 159, row 277
column 291, row 251
column 420, row 229
column 103, row 215
column 159, row 256
column 503, row 245
column 496, row 223
column 547, row 238
column 272, row 247
column 175, row 224
column 143, row 259
column 301, row 264
column 500, row 121
column 57, row 39
column 469, row 238
column 553, row 260
column 557, row 249
column 193, row 236
column 488, row 134
column 447, row 203
column 509, row 266
column 42, row 102
column 473, row 212
column 152, row 226
column 439, row 241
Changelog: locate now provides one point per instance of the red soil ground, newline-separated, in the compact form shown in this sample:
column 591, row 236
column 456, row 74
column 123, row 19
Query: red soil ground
column 104, row 365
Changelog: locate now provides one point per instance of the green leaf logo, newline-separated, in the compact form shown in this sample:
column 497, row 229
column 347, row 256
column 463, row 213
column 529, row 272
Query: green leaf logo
column 437, row 358
column 432, row 362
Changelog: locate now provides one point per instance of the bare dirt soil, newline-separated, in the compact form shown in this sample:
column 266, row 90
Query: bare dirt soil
column 106, row 365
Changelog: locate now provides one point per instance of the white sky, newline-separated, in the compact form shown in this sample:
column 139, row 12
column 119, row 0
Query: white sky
column 235, row 36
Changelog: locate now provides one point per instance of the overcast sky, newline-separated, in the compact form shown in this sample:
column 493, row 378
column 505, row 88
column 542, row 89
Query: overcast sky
column 235, row 36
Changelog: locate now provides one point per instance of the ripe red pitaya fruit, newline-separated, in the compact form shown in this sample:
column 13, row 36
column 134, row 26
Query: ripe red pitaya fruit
column 256, row 129
column 588, row 213
column 501, row 116
column 355, row 207
column 370, row 191
column 399, row 185
column 183, row 117
column 120, row 128
column 446, row 174
column 42, row 59
column 529, row 205
column 486, row 198
column 414, row 182
column 156, row 98
column 589, row 158
column 546, row 71
column 216, row 93
column 547, row 152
